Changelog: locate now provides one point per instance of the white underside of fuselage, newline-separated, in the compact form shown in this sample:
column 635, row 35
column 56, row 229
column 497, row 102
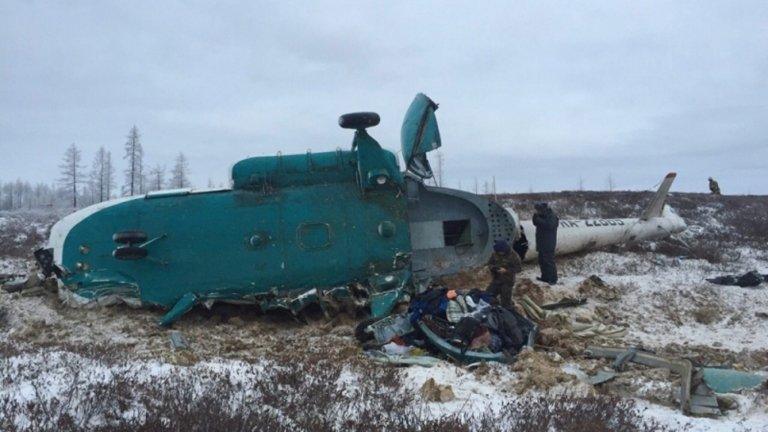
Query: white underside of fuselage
column 61, row 229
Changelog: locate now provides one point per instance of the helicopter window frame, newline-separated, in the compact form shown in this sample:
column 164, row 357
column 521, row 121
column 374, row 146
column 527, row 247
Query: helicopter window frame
column 457, row 232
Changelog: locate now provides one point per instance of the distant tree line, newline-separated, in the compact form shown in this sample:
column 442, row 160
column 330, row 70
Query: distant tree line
column 79, row 186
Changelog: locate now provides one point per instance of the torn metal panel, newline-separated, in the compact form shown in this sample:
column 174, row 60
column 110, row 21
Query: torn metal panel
column 380, row 357
column 387, row 328
column 184, row 305
column 602, row 376
column 178, row 342
column 730, row 380
column 684, row 368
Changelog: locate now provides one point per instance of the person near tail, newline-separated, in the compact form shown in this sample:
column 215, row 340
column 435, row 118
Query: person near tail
column 504, row 264
column 714, row 188
column 546, row 222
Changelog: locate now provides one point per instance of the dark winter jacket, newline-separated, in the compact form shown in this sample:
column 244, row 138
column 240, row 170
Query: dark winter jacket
column 546, row 230
column 509, row 326
column 510, row 262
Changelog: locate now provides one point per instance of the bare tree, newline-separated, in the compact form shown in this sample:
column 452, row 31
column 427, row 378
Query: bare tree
column 99, row 178
column 156, row 178
column 71, row 171
column 8, row 190
column 611, row 182
column 134, row 154
column 23, row 194
column 109, row 176
column 439, row 172
column 180, row 173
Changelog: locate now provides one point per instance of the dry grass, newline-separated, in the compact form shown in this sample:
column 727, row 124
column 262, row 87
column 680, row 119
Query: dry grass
column 21, row 232
column 298, row 392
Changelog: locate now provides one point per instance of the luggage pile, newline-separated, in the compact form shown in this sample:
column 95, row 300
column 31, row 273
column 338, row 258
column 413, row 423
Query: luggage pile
column 464, row 326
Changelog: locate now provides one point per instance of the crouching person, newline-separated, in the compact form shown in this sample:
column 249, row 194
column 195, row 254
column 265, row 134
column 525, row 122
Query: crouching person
column 503, row 265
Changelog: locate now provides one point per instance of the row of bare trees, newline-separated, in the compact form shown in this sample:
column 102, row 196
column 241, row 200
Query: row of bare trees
column 25, row 195
column 78, row 186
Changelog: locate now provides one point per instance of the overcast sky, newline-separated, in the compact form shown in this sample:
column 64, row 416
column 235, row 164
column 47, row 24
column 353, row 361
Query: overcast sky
column 538, row 94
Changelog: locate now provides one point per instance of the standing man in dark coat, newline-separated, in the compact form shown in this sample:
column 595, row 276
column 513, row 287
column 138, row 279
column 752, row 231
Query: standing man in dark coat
column 546, row 222
column 504, row 265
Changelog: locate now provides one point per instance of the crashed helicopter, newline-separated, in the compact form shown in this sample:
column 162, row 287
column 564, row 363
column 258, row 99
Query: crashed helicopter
column 328, row 228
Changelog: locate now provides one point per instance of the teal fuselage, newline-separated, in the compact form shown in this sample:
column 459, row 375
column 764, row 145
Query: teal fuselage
column 332, row 228
column 275, row 235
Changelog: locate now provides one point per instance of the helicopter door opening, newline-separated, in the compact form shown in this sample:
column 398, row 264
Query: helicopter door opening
column 457, row 232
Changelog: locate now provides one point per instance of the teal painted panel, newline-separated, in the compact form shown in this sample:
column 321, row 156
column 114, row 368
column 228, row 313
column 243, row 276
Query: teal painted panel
column 243, row 244
column 419, row 134
column 377, row 168
column 279, row 171
column 731, row 380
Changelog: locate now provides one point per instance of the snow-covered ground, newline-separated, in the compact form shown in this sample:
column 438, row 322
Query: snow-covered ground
column 664, row 301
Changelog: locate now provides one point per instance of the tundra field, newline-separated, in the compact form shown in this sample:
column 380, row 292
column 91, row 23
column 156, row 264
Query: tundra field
column 113, row 368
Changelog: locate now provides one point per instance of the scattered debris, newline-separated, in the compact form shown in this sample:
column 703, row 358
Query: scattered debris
column 603, row 330
column 386, row 328
column 177, row 340
column 593, row 286
column 703, row 399
column 602, row 376
column 565, row 302
column 727, row 403
column 6, row 277
column 532, row 309
column 526, row 287
column 552, row 336
column 37, row 290
column 731, row 380
column 683, row 368
column 403, row 360
column 460, row 324
column 30, row 283
column 747, row 280
column 434, row 392
column 698, row 385
column 15, row 286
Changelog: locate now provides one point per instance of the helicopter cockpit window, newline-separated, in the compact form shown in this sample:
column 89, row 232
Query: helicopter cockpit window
column 457, row 232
